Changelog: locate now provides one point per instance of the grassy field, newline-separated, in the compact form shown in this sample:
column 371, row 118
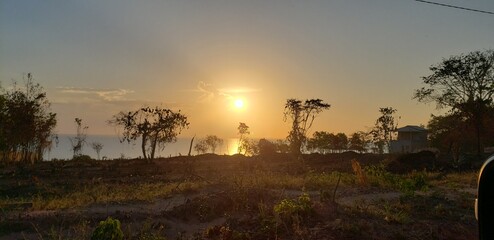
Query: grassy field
column 335, row 196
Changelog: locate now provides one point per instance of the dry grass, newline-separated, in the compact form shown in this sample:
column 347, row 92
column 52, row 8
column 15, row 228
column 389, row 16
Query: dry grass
column 239, row 198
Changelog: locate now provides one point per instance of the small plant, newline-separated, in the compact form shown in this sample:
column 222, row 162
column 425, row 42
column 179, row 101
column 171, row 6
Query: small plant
column 294, row 212
column 416, row 181
column 108, row 230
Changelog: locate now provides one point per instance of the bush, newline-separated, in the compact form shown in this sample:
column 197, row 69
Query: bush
column 300, row 208
column 82, row 158
column 266, row 147
column 410, row 162
column 407, row 184
column 108, row 230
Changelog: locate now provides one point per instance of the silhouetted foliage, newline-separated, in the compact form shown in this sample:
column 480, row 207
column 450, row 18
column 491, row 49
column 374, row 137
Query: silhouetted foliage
column 358, row 142
column 201, row 147
column 250, row 147
column 243, row 130
column 383, row 130
column 320, row 142
column 155, row 126
column 302, row 115
column 211, row 142
column 26, row 129
column 453, row 135
column 340, row 142
column 282, row 146
column 413, row 162
column 465, row 85
column 324, row 142
column 97, row 146
column 266, row 147
column 79, row 140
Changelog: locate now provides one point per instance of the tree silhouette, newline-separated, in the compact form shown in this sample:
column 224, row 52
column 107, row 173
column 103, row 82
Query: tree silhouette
column 320, row 142
column 211, row 142
column 250, row 147
column 243, row 130
column 266, row 147
column 383, row 129
column 97, row 146
column 26, row 129
column 358, row 141
column 79, row 140
column 465, row 85
column 302, row 115
column 201, row 147
column 155, row 126
column 341, row 142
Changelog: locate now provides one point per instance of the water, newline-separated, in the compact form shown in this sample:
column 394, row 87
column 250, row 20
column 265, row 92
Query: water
column 113, row 148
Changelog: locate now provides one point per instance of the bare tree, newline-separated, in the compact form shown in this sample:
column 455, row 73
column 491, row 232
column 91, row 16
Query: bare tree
column 97, row 146
column 79, row 140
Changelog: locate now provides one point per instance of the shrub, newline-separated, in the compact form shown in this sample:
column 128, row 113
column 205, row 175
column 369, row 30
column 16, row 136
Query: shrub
column 82, row 158
column 299, row 209
column 406, row 184
column 108, row 230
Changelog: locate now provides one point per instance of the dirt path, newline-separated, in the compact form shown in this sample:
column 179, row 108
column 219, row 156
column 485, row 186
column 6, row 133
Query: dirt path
column 148, row 208
column 139, row 212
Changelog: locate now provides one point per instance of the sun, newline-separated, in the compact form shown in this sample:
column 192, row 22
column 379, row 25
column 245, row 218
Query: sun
column 239, row 103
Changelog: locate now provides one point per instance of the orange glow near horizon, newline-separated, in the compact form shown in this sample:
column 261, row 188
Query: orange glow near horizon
column 232, row 146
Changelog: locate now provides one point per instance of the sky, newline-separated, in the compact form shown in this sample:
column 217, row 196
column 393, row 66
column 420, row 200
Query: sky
column 97, row 58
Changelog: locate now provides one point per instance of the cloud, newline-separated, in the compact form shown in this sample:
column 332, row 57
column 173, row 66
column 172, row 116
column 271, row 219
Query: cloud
column 210, row 92
column 239, row 90
column 106, row 95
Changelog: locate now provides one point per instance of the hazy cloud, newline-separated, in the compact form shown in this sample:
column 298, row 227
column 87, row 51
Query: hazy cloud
column 239, row 90
column 210, row 92
column 108, row 95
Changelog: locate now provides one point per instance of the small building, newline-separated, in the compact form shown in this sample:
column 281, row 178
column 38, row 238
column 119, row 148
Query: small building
column 410, row 139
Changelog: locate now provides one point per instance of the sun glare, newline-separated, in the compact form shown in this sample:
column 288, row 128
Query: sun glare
column 232, row 147
column 239, row 103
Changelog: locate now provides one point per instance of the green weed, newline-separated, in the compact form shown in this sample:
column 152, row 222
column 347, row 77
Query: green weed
column 293, row 214
column 108, row 230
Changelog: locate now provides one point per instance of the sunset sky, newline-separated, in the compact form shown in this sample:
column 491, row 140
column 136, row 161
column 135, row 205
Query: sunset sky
column 95, row 58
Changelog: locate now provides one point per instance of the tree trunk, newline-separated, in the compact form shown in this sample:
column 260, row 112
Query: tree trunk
column 153, row 146
column 190, row 147
column 295, row 147
column 143, row 146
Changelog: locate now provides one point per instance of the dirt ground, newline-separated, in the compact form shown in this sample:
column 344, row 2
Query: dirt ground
column 235, row 203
